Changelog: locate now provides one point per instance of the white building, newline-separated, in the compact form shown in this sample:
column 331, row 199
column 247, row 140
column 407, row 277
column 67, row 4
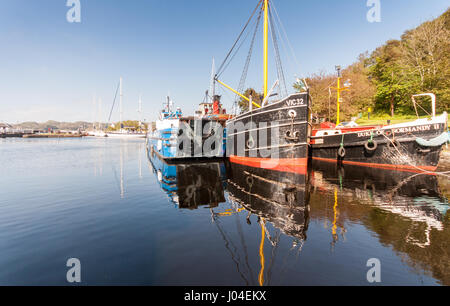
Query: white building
column 4, row 127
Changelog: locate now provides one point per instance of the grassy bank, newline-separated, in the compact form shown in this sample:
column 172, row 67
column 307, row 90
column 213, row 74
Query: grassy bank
column 380, row 119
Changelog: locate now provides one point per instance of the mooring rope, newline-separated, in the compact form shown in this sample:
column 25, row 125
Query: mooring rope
column 414, row 166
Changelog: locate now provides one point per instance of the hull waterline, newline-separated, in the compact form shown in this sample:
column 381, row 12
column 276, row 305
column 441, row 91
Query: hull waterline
column 272, row 137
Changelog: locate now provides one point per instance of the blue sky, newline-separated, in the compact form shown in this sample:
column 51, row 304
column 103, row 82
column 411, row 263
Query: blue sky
column 51, row 69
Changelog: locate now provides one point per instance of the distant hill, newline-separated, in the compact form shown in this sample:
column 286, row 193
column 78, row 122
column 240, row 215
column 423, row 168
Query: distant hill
column 53, row 125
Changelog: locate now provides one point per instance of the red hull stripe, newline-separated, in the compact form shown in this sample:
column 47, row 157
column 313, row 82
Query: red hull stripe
column 382, row 166
column 294, row 165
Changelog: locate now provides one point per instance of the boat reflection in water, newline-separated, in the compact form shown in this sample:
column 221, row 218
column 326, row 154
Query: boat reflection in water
column 191, row 185
column 276, row 198
column 406, row 210
column 415, row 196
column 263, row 218
column 280, row 198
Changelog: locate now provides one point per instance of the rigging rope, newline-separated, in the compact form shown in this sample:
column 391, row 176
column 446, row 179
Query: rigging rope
column 234, row 54
column 114, row 103
column 445, row 174
column 286, row 37
column 417, row 113
column 241, row 39
column 280, row 72
column 219, row 71
column 249, row 56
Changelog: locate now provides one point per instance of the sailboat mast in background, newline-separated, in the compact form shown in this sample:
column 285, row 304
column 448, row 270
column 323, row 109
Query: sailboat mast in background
column 121, row 105
column 94, row 102
column 140, row 111
column 99, row 116
column 126, row 132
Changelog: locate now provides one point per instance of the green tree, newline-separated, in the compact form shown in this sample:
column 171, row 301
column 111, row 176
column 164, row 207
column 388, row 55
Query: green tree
column 387, row 78
column 132, row 125
column 358, row 99
column 256, row 97
column 394, row 81
column 426, row 52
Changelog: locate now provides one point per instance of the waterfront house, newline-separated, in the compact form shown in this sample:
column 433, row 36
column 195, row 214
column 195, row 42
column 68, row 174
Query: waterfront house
column 4, row 127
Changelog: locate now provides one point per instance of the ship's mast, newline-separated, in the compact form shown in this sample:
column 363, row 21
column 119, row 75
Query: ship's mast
column 339, row 90
column 213, row 81
column 140, row 111
column 99, row 118
column 266, row 46
column 265, row 8
column 94, row 99
column 120, row 107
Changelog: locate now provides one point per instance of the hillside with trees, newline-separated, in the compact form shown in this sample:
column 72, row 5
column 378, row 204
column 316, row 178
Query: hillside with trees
column 53, row 125
column 386, row 79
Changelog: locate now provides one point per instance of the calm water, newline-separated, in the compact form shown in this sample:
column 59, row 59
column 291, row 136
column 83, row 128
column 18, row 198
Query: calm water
column 132, row 220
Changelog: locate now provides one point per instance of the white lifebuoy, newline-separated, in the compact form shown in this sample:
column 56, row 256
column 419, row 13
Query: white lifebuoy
column 341, row 152
column 250, row 143
column 159, row 145
column 159, row 176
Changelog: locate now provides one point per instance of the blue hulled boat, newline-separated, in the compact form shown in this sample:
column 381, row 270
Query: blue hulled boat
column 162, row 140
column 175, row 138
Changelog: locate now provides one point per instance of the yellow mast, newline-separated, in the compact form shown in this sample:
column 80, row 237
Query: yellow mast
column 266, row 46
column 338, row 121
column 339, row 89
column 266, row 58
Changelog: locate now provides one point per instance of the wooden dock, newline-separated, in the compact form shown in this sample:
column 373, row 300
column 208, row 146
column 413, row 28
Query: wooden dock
column 52, row 136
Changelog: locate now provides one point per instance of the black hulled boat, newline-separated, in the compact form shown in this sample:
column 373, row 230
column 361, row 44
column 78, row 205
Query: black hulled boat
column 271, row 134
column 273, row 137
column 411, row 146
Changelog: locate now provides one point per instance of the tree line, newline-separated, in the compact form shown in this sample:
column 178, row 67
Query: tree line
column 385, row 80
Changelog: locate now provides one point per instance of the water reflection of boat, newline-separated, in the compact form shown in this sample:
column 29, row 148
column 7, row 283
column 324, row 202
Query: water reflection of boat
column 280, row 198
column 410, row 195
column 404, row 210
column 190, row 185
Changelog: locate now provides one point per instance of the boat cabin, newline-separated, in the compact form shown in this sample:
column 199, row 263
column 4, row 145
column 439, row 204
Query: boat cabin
column 211, row 108
column 166, row 113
